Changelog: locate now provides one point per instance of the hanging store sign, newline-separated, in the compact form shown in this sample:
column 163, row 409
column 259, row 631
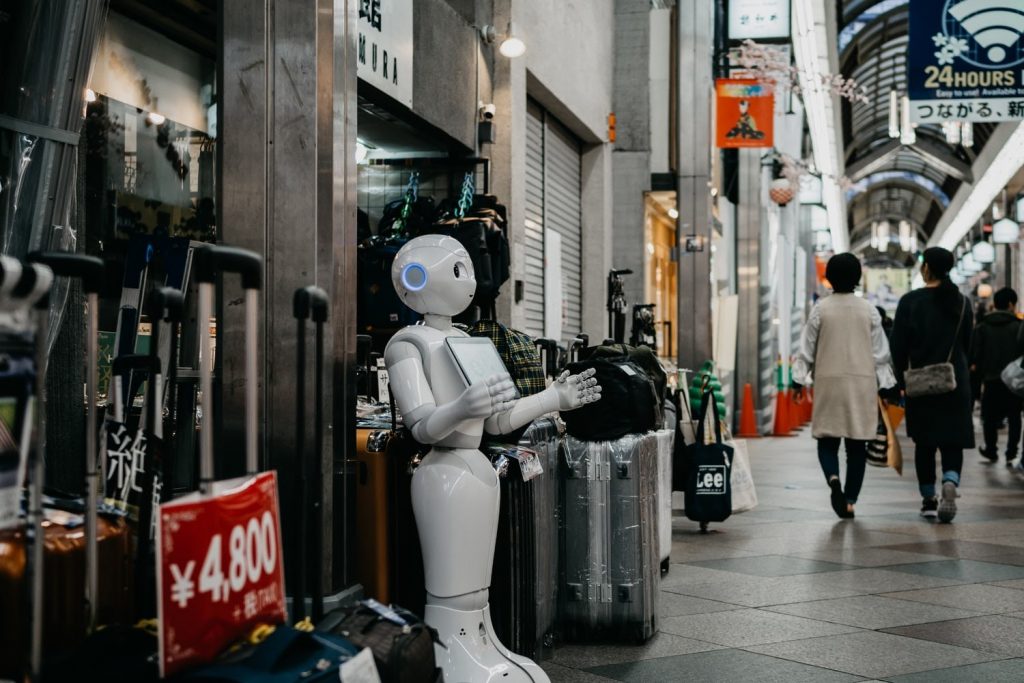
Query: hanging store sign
column 385, row 47
column 966, row 62
column 758, row 19
column 745, row 113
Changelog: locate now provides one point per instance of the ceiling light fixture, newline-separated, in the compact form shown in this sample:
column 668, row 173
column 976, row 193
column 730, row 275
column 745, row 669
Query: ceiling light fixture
column 983, row 252
column 908, row 136
column 1006, row 231
column 511, row 46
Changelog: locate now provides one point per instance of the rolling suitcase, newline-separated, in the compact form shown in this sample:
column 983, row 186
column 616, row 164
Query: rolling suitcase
column 119, row 653
column 59, row 567
column 402, row 645
column 666, row 442
column 609, row 539
column 524, row 578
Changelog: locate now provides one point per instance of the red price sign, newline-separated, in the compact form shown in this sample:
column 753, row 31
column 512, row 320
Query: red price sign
column 220, row 571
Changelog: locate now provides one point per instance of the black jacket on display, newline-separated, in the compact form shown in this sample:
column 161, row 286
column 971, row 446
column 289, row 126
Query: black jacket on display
column 923, row 332
column 995, row 344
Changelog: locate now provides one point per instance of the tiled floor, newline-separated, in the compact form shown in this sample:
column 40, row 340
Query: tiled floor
column 789, row 593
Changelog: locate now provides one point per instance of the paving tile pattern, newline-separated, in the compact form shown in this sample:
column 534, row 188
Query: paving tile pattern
column 787, row 592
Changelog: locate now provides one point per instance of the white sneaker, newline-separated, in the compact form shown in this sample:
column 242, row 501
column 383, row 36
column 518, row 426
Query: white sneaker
column 947, row 504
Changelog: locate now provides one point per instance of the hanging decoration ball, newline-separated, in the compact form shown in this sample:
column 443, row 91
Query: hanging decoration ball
column 1005, row 231
column 983, row 252
column 781, row 191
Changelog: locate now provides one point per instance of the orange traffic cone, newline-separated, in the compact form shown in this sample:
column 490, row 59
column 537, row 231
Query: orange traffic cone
column 782, row 425
column 792, row 411
column 748, row 415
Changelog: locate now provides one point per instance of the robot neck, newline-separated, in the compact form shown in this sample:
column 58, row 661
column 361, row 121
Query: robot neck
column 438, row 322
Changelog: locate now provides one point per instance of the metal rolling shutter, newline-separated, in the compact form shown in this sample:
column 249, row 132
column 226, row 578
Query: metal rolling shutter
column 562, row 213
column 553, row 189
column 533, row 252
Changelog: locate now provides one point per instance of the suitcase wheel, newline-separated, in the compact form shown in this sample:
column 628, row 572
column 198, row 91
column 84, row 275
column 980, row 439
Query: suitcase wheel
column 703, row 527
column 665, row 564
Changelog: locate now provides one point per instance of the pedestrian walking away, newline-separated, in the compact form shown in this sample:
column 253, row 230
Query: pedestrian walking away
column 994, row 346
column 930, row 339
column 844, row 352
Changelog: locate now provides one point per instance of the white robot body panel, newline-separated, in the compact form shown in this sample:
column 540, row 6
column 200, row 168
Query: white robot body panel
column 456, row 489
column 470, row 653
column 444, row 380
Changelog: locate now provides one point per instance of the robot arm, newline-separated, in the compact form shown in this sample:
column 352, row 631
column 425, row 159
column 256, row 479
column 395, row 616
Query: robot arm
column 428, row 422
column 568, row 392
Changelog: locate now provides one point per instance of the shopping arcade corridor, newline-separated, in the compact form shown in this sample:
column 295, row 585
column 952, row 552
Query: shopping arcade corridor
column 788, row 592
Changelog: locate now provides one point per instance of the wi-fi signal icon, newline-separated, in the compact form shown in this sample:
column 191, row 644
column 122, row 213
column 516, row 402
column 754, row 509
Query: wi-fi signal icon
column 994, row 28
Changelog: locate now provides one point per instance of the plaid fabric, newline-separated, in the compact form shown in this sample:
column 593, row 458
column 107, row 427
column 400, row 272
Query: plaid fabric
column 519, row 353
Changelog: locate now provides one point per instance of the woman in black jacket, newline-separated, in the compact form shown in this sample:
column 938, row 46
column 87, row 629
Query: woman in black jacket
column 933, row 325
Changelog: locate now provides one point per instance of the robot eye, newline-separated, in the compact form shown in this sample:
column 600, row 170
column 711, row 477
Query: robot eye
column 458, row 271
column 414, row 277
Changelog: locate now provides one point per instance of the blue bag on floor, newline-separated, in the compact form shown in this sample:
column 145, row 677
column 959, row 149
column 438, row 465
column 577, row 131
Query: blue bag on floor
column 286, row 656
column 708, row 492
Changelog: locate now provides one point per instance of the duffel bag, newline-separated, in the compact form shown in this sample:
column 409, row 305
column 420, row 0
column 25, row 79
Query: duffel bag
column 642, row 356
column 629, row 402
column 402, row 645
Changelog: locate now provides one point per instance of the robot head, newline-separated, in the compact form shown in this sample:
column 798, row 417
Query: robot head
column 434, row 275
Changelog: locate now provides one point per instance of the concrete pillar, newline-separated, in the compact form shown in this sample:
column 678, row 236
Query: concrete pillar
column 748, row 280
column 695, row 35
column 287, row 144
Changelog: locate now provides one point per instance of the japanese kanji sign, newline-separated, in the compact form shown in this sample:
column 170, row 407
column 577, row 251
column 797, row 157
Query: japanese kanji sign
column 219, row 569
column 965, row 61
column 745, row 113
column 758, row 19
column 384, row 57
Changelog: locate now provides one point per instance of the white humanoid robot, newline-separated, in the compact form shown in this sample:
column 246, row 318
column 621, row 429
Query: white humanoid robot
column 455, row 492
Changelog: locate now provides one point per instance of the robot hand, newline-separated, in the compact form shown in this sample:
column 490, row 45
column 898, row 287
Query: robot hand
column 574, row 391
column 494, row 395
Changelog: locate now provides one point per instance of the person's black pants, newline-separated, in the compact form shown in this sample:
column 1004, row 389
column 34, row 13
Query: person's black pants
column 924, row 462
column 856, row 463
column 997, row 404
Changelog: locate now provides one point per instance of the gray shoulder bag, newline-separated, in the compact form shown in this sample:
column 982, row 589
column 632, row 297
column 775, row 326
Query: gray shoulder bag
column 938, row 378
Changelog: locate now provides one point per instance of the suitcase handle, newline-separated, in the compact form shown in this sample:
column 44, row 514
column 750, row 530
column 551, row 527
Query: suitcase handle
column 211, row 259
column 208, row 261
column 167, row 304
column 89, row 269
column 309, row 302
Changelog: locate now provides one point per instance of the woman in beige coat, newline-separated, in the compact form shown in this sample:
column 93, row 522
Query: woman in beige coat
column 843, row 350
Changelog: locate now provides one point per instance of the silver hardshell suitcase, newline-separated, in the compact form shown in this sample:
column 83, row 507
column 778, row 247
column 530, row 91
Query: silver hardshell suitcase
column 666, row 442
column 609, row 582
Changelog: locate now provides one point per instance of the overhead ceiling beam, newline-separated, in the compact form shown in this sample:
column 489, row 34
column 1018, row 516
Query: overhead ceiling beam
column 943, row 159
column 875, row 160
column 815, row 38
column 1000, row 158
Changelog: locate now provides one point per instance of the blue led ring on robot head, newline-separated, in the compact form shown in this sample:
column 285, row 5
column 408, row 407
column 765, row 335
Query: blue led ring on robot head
column 414, row 277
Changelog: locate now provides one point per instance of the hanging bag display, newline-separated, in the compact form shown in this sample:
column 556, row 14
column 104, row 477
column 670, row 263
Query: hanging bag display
column 938, row 378
column 708, row 466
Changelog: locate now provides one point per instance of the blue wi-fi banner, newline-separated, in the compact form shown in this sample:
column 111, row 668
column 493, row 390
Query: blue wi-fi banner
column 965, row 60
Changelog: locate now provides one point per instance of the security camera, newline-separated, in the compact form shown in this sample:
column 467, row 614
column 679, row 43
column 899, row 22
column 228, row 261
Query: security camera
column 487, row 112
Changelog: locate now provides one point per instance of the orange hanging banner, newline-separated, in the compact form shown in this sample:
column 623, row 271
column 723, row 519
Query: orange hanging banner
column 745, row 113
